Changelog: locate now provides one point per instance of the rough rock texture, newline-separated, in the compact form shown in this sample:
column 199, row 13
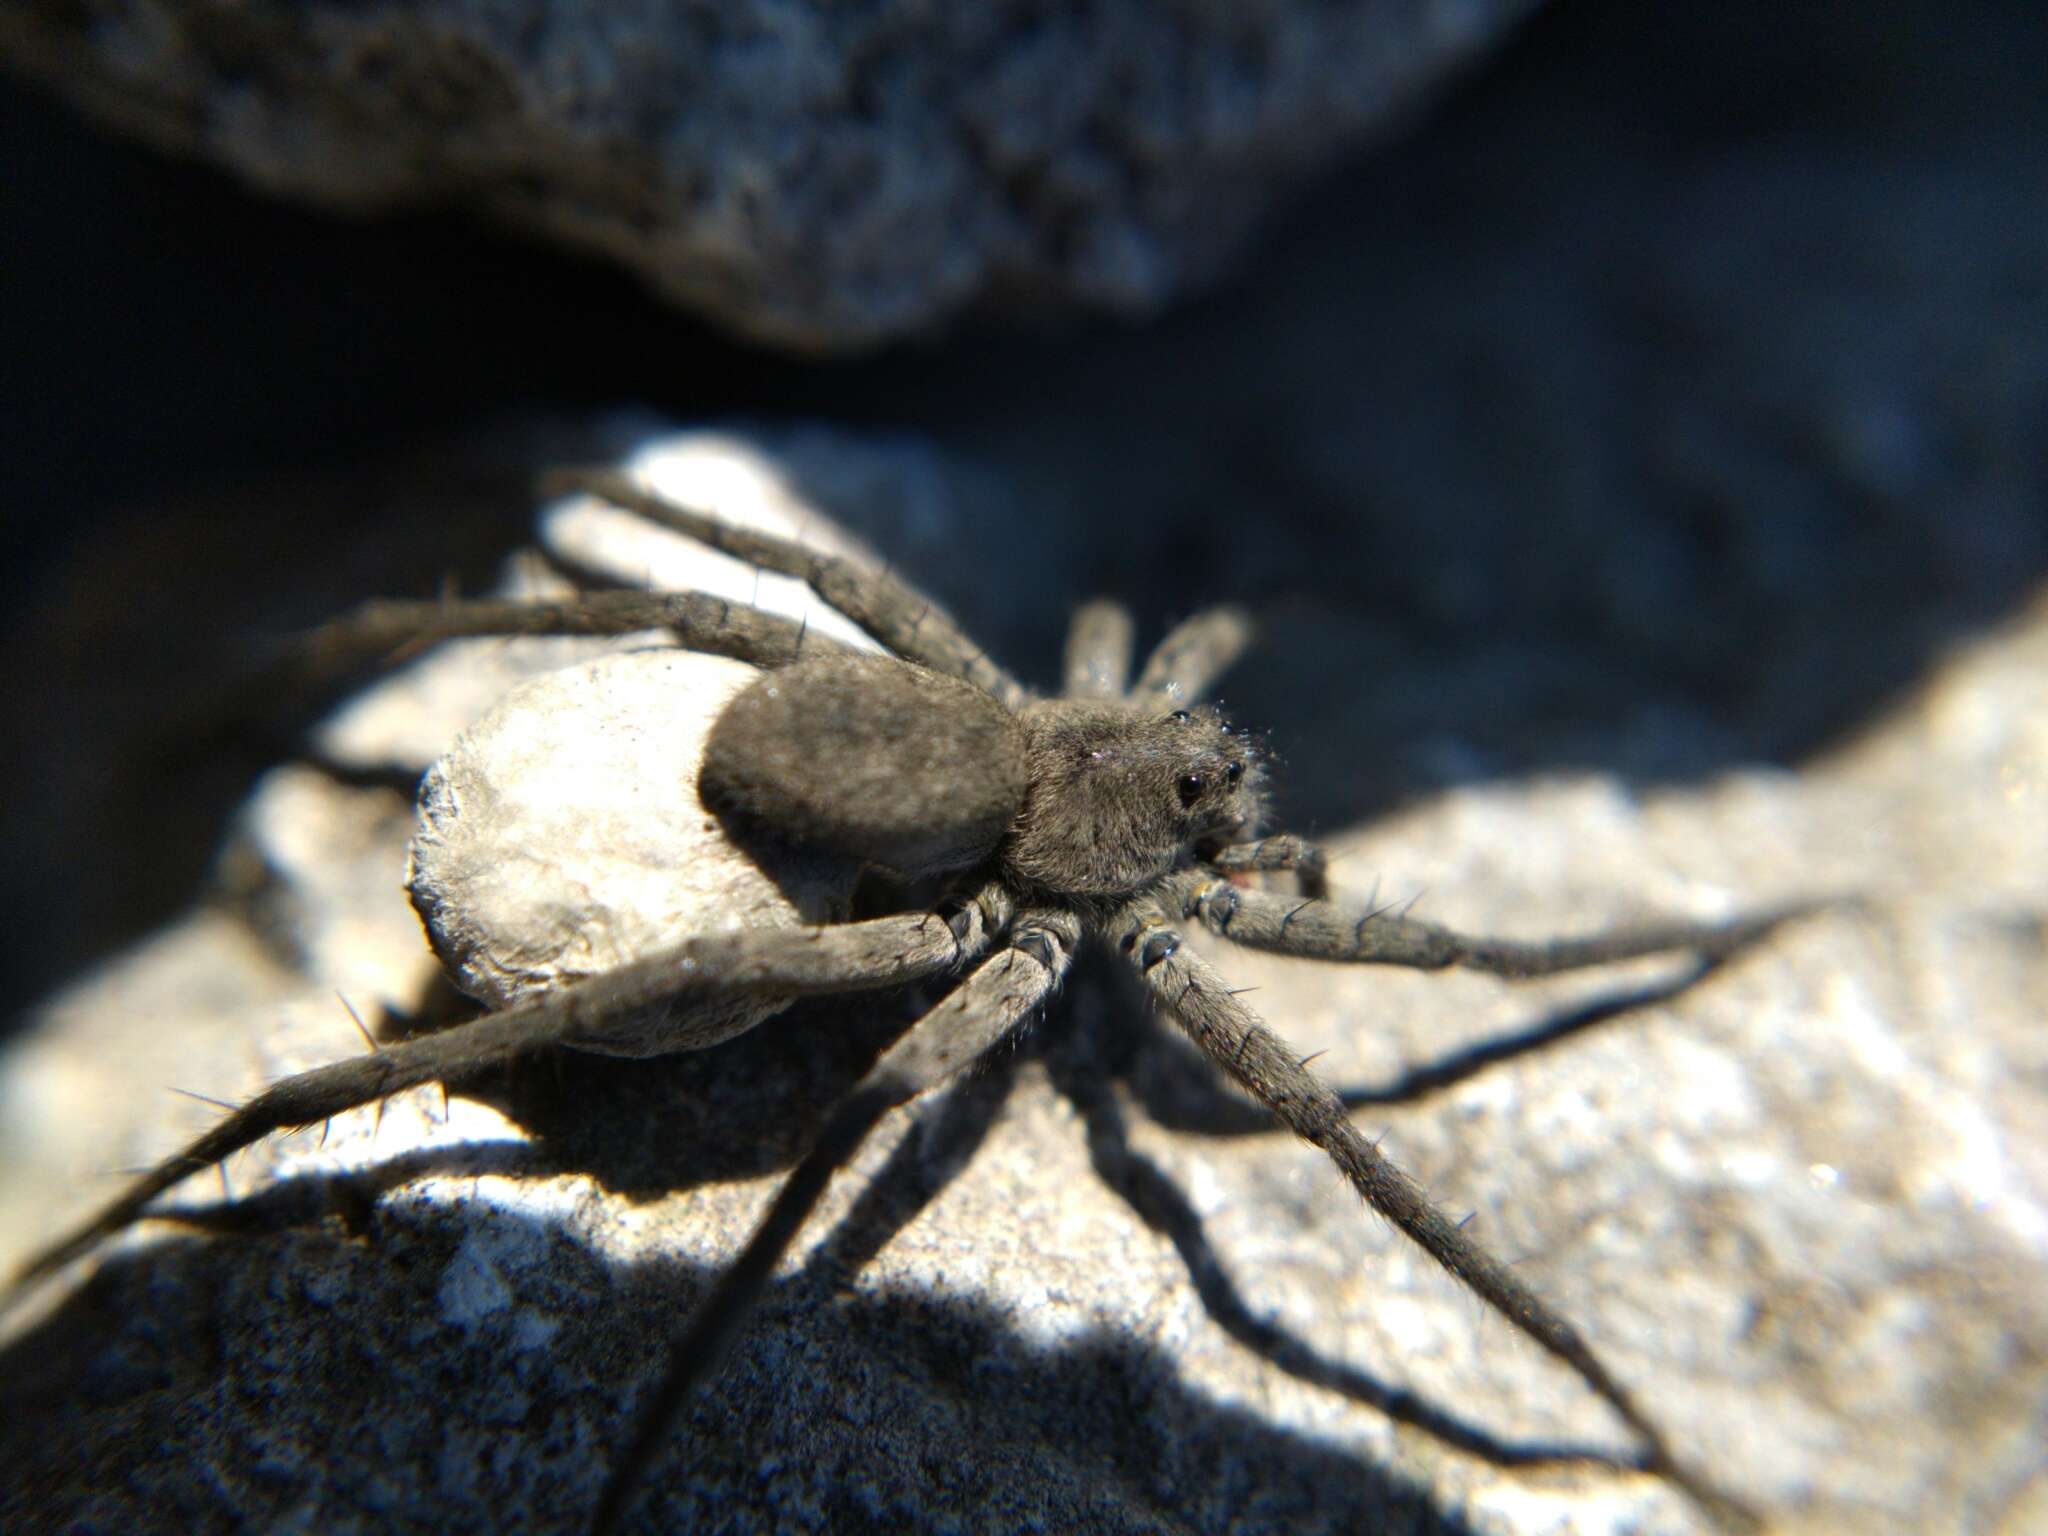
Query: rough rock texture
column 1802, row 1206
column 818, row 175
column 562, row 835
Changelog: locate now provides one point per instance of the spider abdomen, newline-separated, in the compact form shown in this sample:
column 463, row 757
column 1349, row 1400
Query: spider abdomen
column 871, row 758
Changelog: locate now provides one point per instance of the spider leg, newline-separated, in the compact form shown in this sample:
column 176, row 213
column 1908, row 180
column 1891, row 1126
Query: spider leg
column 839, row 957
column 1264, row 1066
column 1333, row 930
column 998, row 996
column 895, row 613
column 1193, row 655
column 1285, row 851
column 699, row 621
column 1098, row 664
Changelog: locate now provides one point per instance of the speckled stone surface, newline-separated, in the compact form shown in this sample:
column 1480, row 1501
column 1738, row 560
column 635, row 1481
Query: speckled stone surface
column 1801, row 1206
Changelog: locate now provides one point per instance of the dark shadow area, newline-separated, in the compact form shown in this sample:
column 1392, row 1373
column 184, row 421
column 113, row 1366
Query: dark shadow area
column 347, row 1202
column 649, row 1127
column 124, row 1372
column 750, row 1106
column 173, row 1355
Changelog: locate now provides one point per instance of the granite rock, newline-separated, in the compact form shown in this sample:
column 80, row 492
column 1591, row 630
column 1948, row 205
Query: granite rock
column 1800, row 1205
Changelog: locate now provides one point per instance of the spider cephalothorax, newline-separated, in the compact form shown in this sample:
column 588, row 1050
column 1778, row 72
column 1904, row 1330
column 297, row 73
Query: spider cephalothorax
column 1119, row 810
column 1119, row 795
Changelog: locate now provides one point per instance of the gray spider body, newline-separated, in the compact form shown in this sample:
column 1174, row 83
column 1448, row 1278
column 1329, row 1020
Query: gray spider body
column 918, row 774
column 1120, row 810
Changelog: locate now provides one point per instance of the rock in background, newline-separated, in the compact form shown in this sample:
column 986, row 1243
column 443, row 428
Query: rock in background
column 819, row 175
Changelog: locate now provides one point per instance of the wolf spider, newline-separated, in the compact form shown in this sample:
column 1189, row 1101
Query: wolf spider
column 1118, row 810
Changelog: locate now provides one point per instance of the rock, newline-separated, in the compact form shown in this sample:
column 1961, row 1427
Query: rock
column 1801, row 1206
column 562, row 836
column 817, row 176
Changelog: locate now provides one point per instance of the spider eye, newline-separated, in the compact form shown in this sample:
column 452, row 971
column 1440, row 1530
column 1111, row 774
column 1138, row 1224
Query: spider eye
column 1234, row 772
column 1190, row 787
column 1180, row 717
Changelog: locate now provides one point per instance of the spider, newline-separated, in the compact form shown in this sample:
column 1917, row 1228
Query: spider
column 1115, row 813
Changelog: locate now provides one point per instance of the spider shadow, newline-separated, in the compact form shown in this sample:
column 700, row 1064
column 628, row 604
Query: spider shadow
column 645, row 1128
column 921, row 1352
column 1100, row 1065
column 1160, row 1204
column 751, row 1107
column 181, row 1355
column 748, row 1107
column 1085, row 1064
column 1177, row 1086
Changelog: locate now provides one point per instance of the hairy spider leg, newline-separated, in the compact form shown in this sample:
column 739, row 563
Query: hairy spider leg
column 1099, row 647
column 1283, row 851
column 841, row 957
column 903, row 619
column 1186, row 988
column 1356, row 934
column 390, row 630
column 997, row 997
